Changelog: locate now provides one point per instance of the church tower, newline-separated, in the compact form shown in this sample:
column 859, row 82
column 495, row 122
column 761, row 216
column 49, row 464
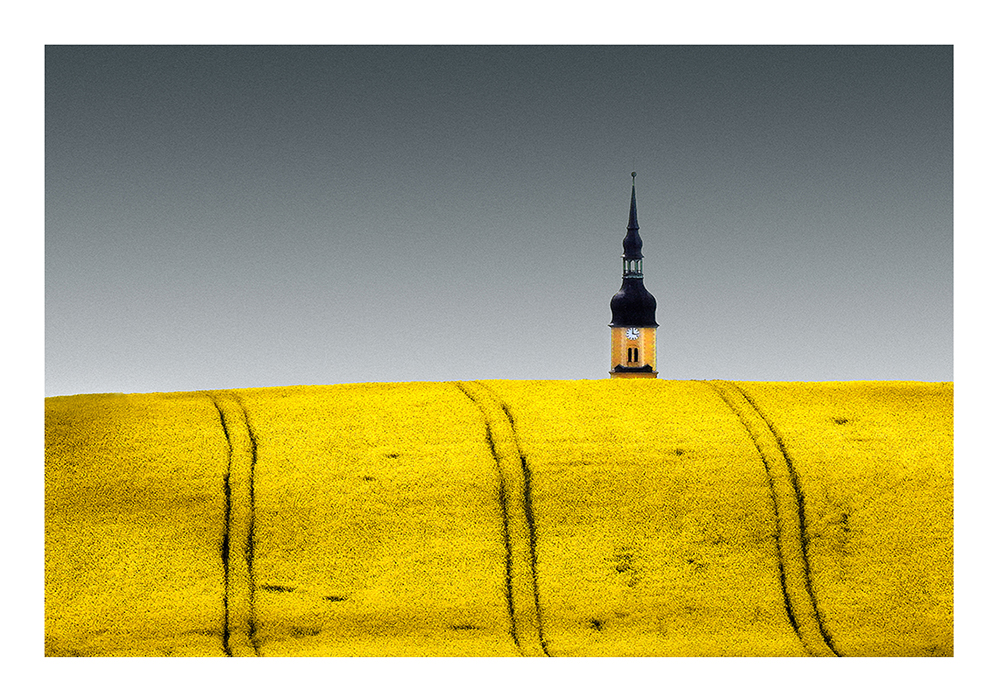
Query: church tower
column 633, row 312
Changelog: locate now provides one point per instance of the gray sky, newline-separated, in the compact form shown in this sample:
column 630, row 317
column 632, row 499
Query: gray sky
column 223, row 217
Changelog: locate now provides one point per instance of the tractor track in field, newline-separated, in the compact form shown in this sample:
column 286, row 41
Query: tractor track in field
column 508, row 563
column 789, row 511
column 237, row 549
column 225, row 532
column 519, row 533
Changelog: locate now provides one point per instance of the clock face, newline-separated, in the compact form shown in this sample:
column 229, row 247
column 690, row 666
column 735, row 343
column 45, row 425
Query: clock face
column 632, row 333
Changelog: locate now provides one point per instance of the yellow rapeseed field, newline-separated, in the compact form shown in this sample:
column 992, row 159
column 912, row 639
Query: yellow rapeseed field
column 134, row 522
column 874, row 460
column 640, row 518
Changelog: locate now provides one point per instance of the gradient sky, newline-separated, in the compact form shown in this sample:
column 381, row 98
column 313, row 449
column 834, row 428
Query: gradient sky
column 222, row 217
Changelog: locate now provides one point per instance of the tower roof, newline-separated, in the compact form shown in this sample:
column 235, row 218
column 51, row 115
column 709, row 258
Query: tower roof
column 632, row 244
column 633, row 305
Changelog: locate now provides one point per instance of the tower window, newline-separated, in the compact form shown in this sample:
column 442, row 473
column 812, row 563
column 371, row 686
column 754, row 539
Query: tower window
column 631, row 268
column 633, row 354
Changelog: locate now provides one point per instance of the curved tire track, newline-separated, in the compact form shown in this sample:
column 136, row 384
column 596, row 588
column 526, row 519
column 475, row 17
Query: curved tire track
column 238, row 636
column 519, row 523
column 789, row 510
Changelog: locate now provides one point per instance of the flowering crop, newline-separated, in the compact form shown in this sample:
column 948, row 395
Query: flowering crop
column 646, row 518
column 134, row 522
column 874, row 465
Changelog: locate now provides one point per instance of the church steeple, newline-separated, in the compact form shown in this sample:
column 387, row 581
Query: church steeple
column 633, row 310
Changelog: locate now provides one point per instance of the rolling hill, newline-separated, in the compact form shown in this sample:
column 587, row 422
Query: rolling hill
column 593, row 518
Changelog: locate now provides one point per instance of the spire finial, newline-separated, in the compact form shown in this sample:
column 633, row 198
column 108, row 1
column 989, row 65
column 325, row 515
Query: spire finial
column 633, row 177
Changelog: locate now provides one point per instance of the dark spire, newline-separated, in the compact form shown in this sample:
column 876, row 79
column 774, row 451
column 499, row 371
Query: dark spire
column 633, row 306
column 632, row 243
